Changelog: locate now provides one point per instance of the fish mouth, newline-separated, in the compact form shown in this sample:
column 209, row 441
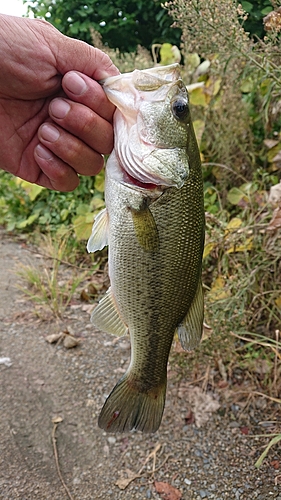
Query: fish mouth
column 146, row 79
column 132, row 182
column 120, row 174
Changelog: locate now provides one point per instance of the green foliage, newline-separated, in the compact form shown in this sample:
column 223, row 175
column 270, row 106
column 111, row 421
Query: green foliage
column 242, row 261
column 123, row 24
column 24, row 206
column 256, row 10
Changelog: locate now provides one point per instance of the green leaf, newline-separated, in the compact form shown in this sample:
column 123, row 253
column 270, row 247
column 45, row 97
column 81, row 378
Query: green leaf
column 28, row 221
column 97, row 204
column 83, row 226
column 247, row 6
column 82, row 209
column 197, row 97
column 64, row 214
column 247, row 85
column 192, row 61
column 266, row 10
column 167, row 55
column 199, row 127
column 99, row 182
column 32, row 190
column 235, row 195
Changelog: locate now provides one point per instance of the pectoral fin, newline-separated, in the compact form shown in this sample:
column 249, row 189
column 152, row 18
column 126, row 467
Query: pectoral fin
column 145, row 229
column 106, row 316
column 190, row 329
column 99, row 237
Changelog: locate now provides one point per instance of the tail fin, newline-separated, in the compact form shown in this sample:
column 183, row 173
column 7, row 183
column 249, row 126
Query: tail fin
column 126, row 408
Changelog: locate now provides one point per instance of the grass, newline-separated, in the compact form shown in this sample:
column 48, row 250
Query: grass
column 50, row 286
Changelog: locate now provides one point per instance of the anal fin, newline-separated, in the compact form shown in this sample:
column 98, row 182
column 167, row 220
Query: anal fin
column 191, row 328
column 106, row 316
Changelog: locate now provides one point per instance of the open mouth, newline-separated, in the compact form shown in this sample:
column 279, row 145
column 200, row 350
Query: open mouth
column 129, row 179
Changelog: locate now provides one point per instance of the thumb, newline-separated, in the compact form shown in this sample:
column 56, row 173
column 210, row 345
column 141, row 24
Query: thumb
column 79, row 56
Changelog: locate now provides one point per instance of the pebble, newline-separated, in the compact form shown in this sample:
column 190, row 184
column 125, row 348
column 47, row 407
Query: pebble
column 111, row 440
column 204, row 493
column 187, row 481
column 234, row 424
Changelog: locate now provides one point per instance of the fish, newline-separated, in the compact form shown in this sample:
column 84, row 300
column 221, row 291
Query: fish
column 154, row 227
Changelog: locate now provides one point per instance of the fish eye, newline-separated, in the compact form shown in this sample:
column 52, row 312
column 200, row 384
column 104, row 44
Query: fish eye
column 180, row 108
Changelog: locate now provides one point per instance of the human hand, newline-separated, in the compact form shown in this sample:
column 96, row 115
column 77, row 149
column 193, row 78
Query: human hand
column 55, row 119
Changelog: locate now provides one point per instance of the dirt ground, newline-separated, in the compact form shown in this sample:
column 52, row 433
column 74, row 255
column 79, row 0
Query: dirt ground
column 41, row 383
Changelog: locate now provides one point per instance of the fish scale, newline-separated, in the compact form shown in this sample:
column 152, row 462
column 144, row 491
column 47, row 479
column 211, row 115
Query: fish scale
column 155, row 238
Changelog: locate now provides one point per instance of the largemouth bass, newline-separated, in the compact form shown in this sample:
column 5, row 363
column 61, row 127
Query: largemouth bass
column 154, row 226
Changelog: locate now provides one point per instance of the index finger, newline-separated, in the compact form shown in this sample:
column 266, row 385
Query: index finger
column 83, row 89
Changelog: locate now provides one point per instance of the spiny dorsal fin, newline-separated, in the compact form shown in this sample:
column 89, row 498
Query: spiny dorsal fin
column 106, row 316
column 99, row 237
column 190, row 329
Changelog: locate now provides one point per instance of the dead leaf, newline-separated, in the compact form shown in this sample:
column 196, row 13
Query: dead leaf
column 67, row 337
column 276, row 220
column 270, row 143
column 123, row 482
column 84, row 295
column 208, row 248
column 167, row 491
column 233, row 225
column 90, row 291
column 54, row 337
column 222, row 384
column 207, row 332
column 189, row 418
column 203, row 404
column 275, row 194
column 218, row 290
column 94, row 288
column 248, row 245
column 88, row 308
column 278, row 302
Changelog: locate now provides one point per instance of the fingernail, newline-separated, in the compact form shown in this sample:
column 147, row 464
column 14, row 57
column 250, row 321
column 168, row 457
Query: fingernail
column 75, row 83
column 49, row 133
column 43, row 152
column 59, row 108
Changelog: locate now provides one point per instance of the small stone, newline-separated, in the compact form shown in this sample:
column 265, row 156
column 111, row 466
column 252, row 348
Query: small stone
column 234, row 424
column 69, row 341
column 111, row 440
column 204, row 493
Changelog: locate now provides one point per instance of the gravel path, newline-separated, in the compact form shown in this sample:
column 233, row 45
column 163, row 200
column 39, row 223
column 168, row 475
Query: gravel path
column 45, row 381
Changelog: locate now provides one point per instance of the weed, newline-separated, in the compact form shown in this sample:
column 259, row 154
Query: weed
column 49, row 287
